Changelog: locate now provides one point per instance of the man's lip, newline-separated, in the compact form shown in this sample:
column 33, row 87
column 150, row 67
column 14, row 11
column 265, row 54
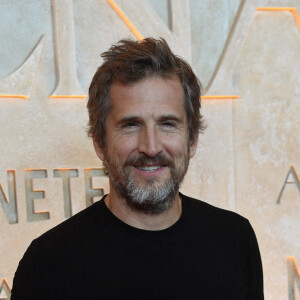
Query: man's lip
column 149, row 165
column 153, row 169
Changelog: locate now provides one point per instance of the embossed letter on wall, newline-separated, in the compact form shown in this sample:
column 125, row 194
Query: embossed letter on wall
column 292, row 172
column 9, row 203
column 293, row 275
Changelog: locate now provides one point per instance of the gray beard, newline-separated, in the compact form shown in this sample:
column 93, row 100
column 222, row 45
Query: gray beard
column 150, row 199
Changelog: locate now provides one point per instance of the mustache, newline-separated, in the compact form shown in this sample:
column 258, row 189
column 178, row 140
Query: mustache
column 159, row 159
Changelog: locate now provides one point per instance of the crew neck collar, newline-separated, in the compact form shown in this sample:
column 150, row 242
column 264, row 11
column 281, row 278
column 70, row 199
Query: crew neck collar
column 121, row 225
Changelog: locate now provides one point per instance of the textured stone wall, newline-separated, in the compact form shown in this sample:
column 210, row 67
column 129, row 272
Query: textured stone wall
column 248, row 159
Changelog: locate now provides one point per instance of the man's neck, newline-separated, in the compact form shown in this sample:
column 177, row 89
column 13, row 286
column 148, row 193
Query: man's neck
column 143, row 220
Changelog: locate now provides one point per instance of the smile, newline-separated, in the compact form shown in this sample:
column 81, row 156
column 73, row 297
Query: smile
column 149, row 168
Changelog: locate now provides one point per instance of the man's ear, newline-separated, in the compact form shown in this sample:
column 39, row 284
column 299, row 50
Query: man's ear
column 193, row 145
column 98, row 149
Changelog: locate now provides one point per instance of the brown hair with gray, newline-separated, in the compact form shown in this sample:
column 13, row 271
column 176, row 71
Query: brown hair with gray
column 130, row 61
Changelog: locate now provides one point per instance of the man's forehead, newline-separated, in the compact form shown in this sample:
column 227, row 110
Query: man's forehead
column 155, row 78
column 166, row 85
column 156, row 91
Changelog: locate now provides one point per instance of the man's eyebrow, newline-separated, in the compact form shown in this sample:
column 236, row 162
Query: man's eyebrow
column 133, row 118
column 170, row 117
column 128, row 119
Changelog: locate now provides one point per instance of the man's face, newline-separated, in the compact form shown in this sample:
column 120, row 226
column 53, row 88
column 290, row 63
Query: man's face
column 147, row 147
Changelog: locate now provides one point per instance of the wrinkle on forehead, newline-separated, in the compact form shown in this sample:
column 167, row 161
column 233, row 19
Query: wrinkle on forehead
column 149, row 90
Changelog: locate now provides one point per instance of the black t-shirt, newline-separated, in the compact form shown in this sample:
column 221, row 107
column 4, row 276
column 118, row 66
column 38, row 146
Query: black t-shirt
column 209, row 254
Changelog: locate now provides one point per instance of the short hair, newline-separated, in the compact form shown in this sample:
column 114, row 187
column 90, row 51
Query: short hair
column 130, row 61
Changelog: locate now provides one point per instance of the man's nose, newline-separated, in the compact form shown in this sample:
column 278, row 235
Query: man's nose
column 149, row 142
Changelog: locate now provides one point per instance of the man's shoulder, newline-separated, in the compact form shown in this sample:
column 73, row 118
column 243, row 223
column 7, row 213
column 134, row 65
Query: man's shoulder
column 216, row 224
column 75, row 228
column 203, row 211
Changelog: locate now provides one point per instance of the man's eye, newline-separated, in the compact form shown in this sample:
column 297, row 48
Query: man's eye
column 168, row 124
column 130, row 125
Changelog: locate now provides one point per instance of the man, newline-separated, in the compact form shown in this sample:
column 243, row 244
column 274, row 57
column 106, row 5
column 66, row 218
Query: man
column 144, row 240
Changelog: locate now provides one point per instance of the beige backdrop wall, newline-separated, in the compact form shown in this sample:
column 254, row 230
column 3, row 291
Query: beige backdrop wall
column 248, row 159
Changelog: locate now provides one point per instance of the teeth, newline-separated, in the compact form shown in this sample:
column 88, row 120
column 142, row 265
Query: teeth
column 149, row 169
